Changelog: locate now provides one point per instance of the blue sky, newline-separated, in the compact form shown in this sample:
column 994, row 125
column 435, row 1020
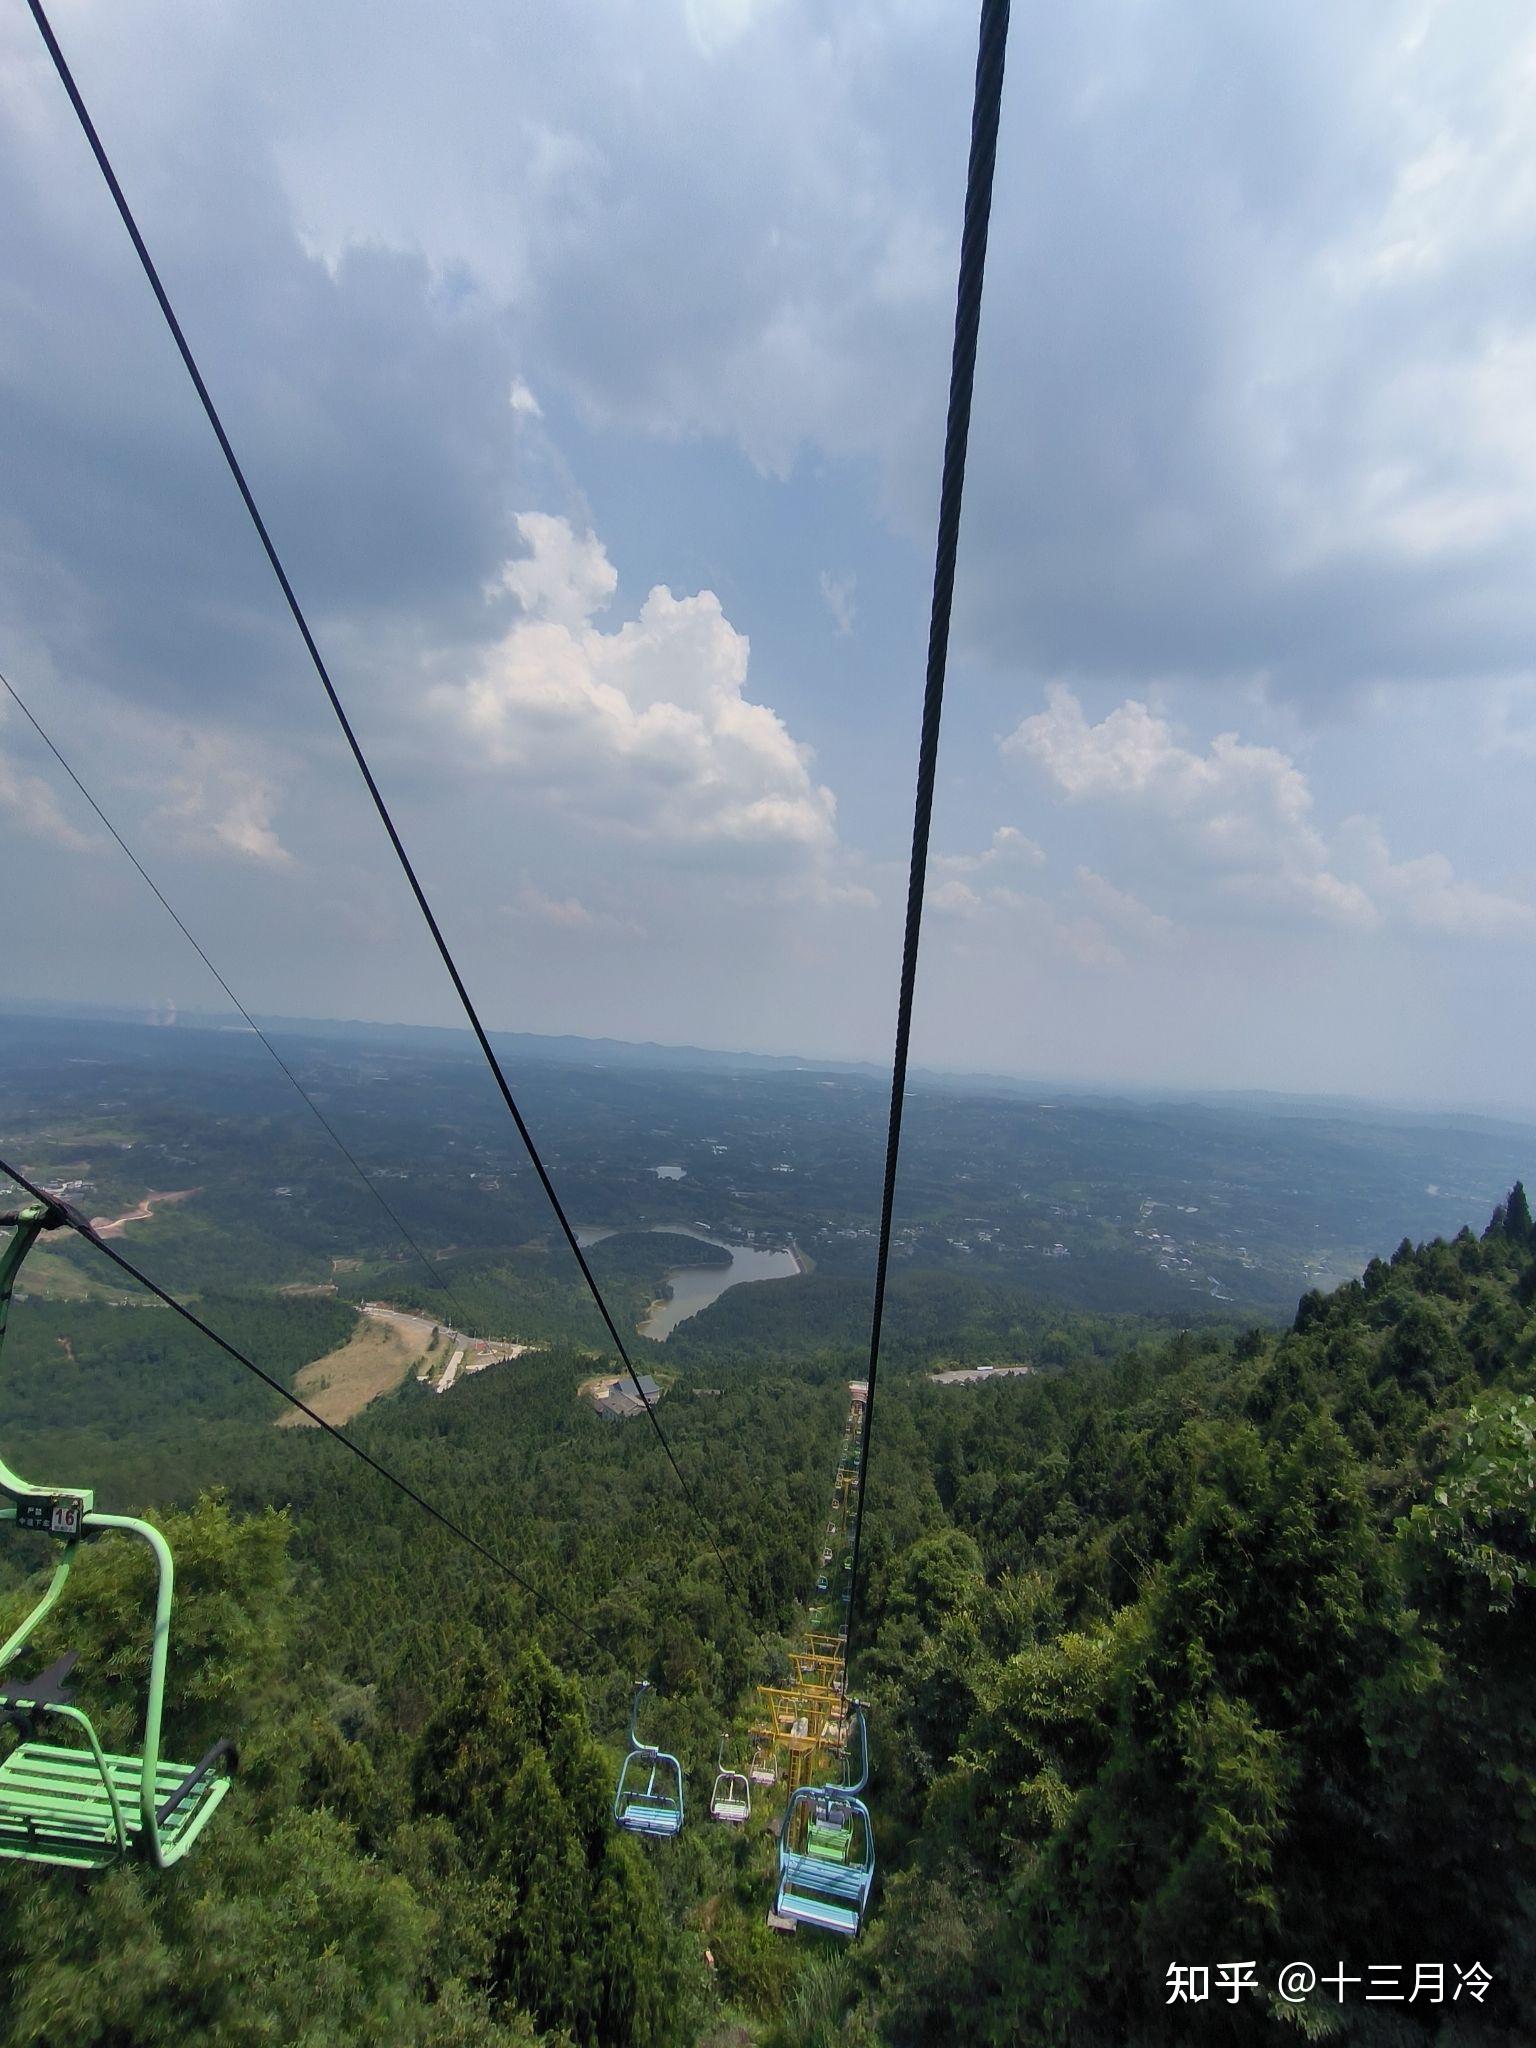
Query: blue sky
column 590, row 365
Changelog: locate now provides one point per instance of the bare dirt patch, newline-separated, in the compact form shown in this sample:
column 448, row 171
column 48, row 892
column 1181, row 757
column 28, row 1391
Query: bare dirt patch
column 114, row 1226
column 373, row 1362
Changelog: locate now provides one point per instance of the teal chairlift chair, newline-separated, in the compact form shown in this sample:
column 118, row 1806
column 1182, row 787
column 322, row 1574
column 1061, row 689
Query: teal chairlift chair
column 649, row 1798
column 827, row 1850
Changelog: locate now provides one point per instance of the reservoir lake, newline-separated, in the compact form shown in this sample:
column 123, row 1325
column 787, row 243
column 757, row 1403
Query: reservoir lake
column 695, row 1287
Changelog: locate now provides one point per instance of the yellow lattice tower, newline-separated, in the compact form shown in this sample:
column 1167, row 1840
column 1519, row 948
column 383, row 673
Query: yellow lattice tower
column 804, row 1722
column 819, row 1664
column 806, row 1726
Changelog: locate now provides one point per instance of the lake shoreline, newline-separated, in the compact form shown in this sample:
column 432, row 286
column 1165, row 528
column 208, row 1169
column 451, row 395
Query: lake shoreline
column 695, row 1288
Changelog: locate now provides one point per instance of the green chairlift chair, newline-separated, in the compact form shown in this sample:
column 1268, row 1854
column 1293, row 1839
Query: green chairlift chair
column 78, row 1808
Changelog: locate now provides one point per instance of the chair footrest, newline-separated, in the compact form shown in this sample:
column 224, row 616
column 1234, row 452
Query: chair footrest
column 651, row 1820
column 823, row 1913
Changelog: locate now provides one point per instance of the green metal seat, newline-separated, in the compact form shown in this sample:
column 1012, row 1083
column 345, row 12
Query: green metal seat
column 829, row 1843
column 83, row 1810
column 74, row 1806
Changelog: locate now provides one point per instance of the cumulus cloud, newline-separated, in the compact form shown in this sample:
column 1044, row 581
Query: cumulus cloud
column 716, row 24
column 1239, row 818
column 33, row 809
column 1251, row 355
column 1427, row 892
column 982, row 889
column 565, row 577
column 1241, row 813
column 216, row 803
column 961, row 884
column 534, row 905
column 837, row 596
column 644, row 727
column 1121, row 910
column 1022, row 923
column 1009, row 848
column 1290, row 301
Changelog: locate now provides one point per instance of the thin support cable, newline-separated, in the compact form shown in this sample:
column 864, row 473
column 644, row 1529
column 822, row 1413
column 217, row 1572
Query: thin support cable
column 314, row 1107
column 66, row 78
column 78, row 1224
column 991, row 52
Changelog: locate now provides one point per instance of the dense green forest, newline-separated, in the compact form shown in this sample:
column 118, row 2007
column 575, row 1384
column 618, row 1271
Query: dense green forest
column 1192, row 1649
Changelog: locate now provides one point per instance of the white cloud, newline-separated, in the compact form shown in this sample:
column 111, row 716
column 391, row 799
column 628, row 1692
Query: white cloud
column 1119, row 908
column 1238, row 818
column 1240, row 813
column 968, row 884
column 567, row 913
column 1022, row 922
column 565, row 577
column 715, row 25
column 956, row 897
column 645, row 728
column 1426, row 892
column 1009, row 846
column 34, row 809
column 837, row 595
column 215, row 803
column 524, row 402
column 980, row 889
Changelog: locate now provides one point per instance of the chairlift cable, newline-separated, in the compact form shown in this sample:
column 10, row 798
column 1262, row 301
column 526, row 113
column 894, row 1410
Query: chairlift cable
column 79, row 1224
column 314, row 1107
column 992, row 49
column 66, row 78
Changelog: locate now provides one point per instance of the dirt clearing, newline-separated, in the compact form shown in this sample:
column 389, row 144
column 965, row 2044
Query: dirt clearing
column 114, row 1226
column 374, row 1361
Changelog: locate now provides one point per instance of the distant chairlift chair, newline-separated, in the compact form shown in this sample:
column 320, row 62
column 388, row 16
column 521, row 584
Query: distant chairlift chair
column 79, row 1808
column 731, row 1800
column 649, row 1799
column 827, row 1850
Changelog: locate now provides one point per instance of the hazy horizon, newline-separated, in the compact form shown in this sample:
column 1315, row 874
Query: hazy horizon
column 1086, row 1086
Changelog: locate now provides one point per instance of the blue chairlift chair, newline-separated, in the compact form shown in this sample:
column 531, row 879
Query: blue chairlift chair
column 649, row 1799
column 827, row 1850
column 731, row 1800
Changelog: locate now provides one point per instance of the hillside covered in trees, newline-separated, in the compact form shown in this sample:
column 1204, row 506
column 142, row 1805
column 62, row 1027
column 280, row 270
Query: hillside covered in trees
column 1190, row 1650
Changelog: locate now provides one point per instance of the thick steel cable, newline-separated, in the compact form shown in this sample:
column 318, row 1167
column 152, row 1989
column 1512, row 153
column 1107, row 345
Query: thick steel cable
column 66, row 78
column 319, row 1114
column 992, row 50
column 82, row 1227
